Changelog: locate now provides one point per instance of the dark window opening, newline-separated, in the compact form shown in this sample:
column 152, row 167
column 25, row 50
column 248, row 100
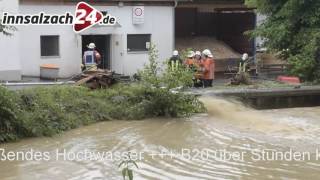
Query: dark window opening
column 138, row 42
column 49, row 45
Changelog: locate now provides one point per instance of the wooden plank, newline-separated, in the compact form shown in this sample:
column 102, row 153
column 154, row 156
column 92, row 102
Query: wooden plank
column 84, row 80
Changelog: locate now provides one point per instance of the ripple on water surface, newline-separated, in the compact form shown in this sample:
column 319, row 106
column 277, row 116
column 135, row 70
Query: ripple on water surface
column 213, row 140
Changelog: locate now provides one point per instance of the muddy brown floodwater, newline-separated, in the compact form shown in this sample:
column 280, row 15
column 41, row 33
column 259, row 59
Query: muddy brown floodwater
column 229, row 142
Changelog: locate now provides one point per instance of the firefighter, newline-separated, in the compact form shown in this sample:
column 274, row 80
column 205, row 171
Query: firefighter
column 242, row 77
column 198, row 57
column 91, row 58
column 243, row 63
column 208, row 68
column 175, row 61
column 199, row 70
column 190, row 61
column 192, row 65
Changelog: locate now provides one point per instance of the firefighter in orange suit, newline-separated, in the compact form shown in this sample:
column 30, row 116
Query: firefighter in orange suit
column 208, row 68
column 198, row 76
column 190, row 61
column 198, row 57
column 192, row 65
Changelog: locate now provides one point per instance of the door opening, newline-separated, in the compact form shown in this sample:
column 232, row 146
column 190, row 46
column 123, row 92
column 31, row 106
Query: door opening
column 102, row 43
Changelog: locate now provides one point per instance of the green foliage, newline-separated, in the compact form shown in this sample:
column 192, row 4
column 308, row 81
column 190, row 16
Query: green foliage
column 8, row 120
column 181, row 77
column 293, row 29
column 48, row 111
column 126, row 171
column 154, row 75
column 138, row 101
column 157, row 96
column 7, row 30
column 151, row 71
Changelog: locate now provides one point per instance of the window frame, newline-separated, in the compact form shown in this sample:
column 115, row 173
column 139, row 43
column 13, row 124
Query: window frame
column 50, row 56
column 138, row 51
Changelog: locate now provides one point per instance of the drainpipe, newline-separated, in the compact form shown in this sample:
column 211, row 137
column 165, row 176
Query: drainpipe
column 174, row 23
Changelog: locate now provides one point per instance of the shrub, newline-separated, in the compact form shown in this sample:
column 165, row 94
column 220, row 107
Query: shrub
column 47, row 111
column 292, row 29
column 8, row 120
column 156, row 75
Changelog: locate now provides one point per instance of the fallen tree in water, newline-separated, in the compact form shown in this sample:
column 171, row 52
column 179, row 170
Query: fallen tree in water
column 51, row 110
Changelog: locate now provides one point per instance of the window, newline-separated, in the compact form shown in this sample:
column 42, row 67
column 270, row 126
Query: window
column 49, row 45
column 138, row 42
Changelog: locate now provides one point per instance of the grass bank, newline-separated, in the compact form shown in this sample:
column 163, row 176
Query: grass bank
column 48, row 111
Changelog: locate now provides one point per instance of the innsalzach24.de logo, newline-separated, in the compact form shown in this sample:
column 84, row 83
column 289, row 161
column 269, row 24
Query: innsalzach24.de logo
column 84, row 18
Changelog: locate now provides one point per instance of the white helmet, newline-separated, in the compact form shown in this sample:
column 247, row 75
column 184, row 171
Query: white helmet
column 91, row 46
column 191, row 54
column 206, row 52
column 245, row 56
column 198, row 53
column 210, row 56
column 175, row 53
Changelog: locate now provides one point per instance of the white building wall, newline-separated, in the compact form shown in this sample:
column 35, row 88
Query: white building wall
column 159, row 22
column 10, row 68
column 69, row 59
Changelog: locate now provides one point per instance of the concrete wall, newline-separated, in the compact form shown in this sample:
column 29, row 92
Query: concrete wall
column 10, row 68
column 159, row 22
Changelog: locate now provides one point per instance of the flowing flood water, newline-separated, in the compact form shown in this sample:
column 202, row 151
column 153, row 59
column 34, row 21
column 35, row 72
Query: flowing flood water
column 229, row 142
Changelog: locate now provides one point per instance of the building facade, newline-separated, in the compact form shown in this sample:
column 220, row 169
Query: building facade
column 124, row 47
column 10, row 66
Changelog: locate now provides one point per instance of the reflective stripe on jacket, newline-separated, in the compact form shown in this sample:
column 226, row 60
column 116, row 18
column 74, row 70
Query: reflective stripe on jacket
column 174, row 63
column 89, row 58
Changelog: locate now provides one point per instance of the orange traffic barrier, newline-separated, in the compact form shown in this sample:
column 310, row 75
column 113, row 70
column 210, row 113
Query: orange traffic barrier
column 289, row 79
column 49, row 66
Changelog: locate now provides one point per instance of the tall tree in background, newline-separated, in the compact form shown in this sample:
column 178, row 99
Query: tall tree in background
column 7, row 30
column 292, row 28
